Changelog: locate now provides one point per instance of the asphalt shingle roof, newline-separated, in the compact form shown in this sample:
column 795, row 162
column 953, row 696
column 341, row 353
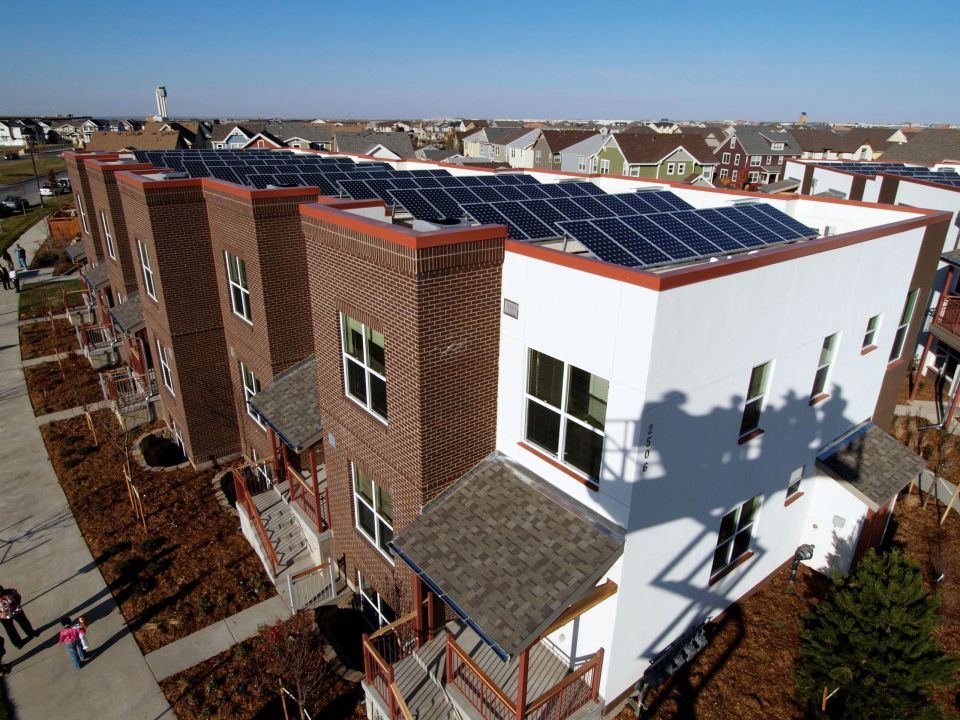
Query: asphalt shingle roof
column 290, row 405
column 558, row 140
column 927, row 148
column 648, row 149
column 75, row 251
column 509, row 550
column 128, row 314
column 362, row 142
column 95, row 275
column 872, row 463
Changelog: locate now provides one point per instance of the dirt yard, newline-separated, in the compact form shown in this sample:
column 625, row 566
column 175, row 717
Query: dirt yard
column 52, row 388
column 42, row 339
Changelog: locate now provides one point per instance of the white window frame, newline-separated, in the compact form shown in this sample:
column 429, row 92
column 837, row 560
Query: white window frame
column 251, row 386
column 582, row 165
column 753, row 176
column 821, row 378
column 593, row 164
column 165, row 372
column 83, row 214
column 736, row 159
column 749, row 528
column 149, row 287
column 777, row 146
column 681, row 168
column 108, row 238
column 670, row 168
column 364, row 364
column 724, row 173
column 557, row 158
column 733, row 143
column 870, row 334
column 759, row 398
column 900, row 336
column 779, row 159
column 734, row 176
column 769, row 160
column 537, row 155
column 755, row 161
column 793, row 487
column 565, row 416
column 725, row 159
column 635, row 171
column 374, row 603
column 238, row 288
column 605, row 167
column 371, row 506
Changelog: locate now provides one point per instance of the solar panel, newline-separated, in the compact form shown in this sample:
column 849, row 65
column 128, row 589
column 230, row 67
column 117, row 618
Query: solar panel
column 449, row 181
column 553, row 190
column 599, row 243
column 287, row 179
column 463, row 195
column 511, row 179
column 414, row 203
column 772, row 224
column 260, row 181
column 487, row 214
column 593, row 206
column 684, row 233
column 745, row 221
column 534, row 192
column 527, row 180
column 616, row 204
column 427, row 182
column 658, row 201
column 740, row 234
column 225, row 173
column 569, row 208
column 676, row 201
column 358, row 190
column 196, row 168
column 711, row 232
column 511, row 193
column 529, row 224
column 636, row 201
column 631, row 241
column 799, row 229
column 590, row 189
column 658, row 237
column 448, row 207
column 487, row 193
column 470, row 180
column 406, row 183
column 326, row 187
column 574, row 189
column 545, row 212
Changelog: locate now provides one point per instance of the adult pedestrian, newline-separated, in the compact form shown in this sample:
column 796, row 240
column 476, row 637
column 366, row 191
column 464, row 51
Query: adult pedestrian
column 11, row 610
column 7, row 259
column 4, row 668
column 21, row 255
column 14, row 279
column 70, row 636
column 5, row 278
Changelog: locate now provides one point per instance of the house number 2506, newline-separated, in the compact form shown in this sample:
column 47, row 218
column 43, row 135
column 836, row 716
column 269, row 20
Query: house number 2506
column 646, row 447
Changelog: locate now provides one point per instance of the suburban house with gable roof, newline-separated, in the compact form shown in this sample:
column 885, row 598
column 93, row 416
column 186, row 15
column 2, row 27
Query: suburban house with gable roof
column 520, row 152
column 752, row 155
column 663, row 156
column 490, row 143
column 551, row 144
column 596, row 154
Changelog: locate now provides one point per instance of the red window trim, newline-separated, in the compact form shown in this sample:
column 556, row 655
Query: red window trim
column 755, row 433
column 792, row 499
column 818, row 399
column 868, row 349
column 731, row 567
column 590, row 484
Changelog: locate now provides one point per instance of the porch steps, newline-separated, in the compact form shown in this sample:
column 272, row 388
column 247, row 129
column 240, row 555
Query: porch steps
column 422, row 691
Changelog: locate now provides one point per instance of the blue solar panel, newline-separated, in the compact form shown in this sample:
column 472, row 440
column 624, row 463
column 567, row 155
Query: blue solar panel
column 463, row 195
column 414, row 203
column 439, row 198
column 487, row 214
column 326, row 187
column 527, row 222
column 590, row 189
column 553, row 190
column 675, row 200
column 534, row 192
column 405, row 183
column 527, row 180
column 511, row 193
column 546, row 212
column 745, row 221
column 196, row 168
column 569, row 208
column 757, row 215
column 382, row 188
column 487, row 193
column 731, row 228
column 616, row 204
column 593, row 206
column 358, row 190
column 658, row 201
column 699, row 224
column 599, row 243
column 260, row 181
column 224, row 173
column 636, row 201
column 511, row 179
column 631, row 241
column 427, row 182
column 574, row 189
column 801, row 230
column 470, row 180
column 685, row 234
column 287, row 179
column 658, row 237
column 449, row 181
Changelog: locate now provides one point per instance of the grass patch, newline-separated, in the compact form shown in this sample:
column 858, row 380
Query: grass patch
column 11, row 228
column 36, row 299
column 14, row 171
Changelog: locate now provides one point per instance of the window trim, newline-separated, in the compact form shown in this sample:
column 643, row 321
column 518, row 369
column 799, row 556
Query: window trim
column 755, row 160
column 736, row 159
column 670, row 168
column 748, row 433
column 725, row 159
column 372, row 507
column 681, row 168
column 604, row 166
column 148, row 283
column 794, row 492
column 83, row 214
column 906, row 316
column 250, row 391
column 237, row 284
column 376, row 606
column 364, row 365
column 870, row 334
column 166, row 373
column 828, row 352
column 108, row 236
column 733, row 562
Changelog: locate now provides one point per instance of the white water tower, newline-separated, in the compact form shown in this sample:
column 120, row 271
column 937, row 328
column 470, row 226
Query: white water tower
column 161, row 103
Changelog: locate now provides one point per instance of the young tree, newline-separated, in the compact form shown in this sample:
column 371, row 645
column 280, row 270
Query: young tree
column 291, row 654
column 872, row 642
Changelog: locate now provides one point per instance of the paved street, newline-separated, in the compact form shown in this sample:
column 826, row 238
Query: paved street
column 44, row 556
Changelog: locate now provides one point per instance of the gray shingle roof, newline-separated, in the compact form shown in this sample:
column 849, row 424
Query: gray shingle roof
column 871, row 463
column 362, row 142
column 757, row 141
column 927, row 147
column 75, row 251
column 128, row 314
column 509, row 550
column 95, row 275
column 290, row 405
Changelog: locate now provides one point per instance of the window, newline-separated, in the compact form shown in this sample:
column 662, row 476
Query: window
column 670, row 168
column 147, row 271
column 556, row 159
column 733, row 143
column 536, row 156
column 753, row 176
column 769, row 160
column 755, row 160
column 726, row 158
column 870, row 336
column 901, row 335
column 780, row 160
column 251, row 386
column 374, row 609
column 793, row 488
column 734, row 176
column 373, row 508
column 604, row 167
column 827, row 351
column 756, row 394
column 83, row 215
column 635, row 171
column 107, row 237
column 164, row 356
column 593, row 164
column 364, row 365
column 582, row 165
column 736, row 529
column 239, row 291
column 566, row 412
column 723, row 173
column 681, row 168
column 777, row 146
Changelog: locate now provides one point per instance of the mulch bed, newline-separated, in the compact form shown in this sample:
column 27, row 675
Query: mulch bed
column 926, row 391
column 40, row 339
column 193, row 569
column 231, row 686
column 52, row 389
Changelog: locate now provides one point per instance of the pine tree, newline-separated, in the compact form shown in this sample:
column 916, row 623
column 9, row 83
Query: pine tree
column 872, row 638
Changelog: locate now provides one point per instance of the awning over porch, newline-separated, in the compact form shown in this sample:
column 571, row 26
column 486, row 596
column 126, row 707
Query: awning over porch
column 508, row 552
column 95, row 276
column 290, row 405
column 128, row 315
column 870, row 463
column 75, row 251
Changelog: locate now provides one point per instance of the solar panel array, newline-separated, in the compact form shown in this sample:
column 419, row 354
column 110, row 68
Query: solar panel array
column 664, row 238
column 914, row 172
column 636, row 229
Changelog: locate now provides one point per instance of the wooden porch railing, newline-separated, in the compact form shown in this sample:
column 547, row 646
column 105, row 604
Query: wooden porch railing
column 482, row 692
column 381, row 651
column 69, row 300
column 948, row 314
column 311, row 499
column 245, row 504
column 94, row 337
column 570, row 694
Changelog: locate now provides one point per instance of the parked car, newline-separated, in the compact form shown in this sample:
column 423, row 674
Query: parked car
column 64, row 183
column 5, row 211
column 48, row 190
column 15, row 202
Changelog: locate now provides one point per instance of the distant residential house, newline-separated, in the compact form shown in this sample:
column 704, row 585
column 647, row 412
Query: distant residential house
column 305, row 136
column 551, row 144
column 67, row 131
column 674, row 157
column 711, row 135
column 490, row 143
column 636, row 127
column 753, row 154
column 233, row 137
column 106, row 141
column 432, row 152
column 664, row 127
column 854, row 144
column 90, row 126
column 265, row 140
column 932, row 146
column 124, row 125
column 597, row 154
column 14, row 134
column 395, row 145
column 520, row 152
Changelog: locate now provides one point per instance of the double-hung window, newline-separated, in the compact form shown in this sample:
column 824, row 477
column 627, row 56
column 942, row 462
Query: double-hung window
column 725, row 159
column 681, row 168
column 736, row 159
column 736, row 530
column 239, row 291
column 870, row 336
column 756, row 395
column 582, row 165
column 604, row 167
column 163, row 354
column 777, row 146
column 827, row 351
column 566, row 412
column 755, row 160
column 536, row 155
column 373, row 508
column 147, row 270
column 83, row 215
column 107, row 237
column 251, row 386
column 364, row 365
column 372, row 606
column 899, row 339
column 670, row 168
column 793, row 487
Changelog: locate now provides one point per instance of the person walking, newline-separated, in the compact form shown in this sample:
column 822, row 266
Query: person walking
column 10, row 610
column 4, row 668
column 7, row 259
column 5, row 278
column 81, row 624
column 14, row 279
column 21, row 256
column 70, row 636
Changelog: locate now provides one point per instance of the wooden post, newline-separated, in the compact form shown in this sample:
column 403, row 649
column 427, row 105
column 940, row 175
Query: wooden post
column 316, row 489
column 367, row 672
column 93, row 431
column 431, row 614
column 521, row 704
column 448, row 658
column 953, row 499
column 276, row 458
column 393, row 698
column 595, row 687
column 418, row 605
column 923, row 359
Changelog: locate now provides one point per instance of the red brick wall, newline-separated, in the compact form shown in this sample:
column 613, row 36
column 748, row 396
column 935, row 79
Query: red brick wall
column 92, row 243
column 105, row 196
column 172, row 224
column 438, row 309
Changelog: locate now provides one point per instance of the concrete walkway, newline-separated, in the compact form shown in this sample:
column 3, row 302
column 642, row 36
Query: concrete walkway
column 71, row 412
column 215, row 639
column 44, row 556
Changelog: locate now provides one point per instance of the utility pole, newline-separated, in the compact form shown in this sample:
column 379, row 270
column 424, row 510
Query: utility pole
column 36, row 178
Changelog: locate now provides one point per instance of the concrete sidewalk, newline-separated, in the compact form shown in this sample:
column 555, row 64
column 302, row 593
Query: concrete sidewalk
column 44, row 556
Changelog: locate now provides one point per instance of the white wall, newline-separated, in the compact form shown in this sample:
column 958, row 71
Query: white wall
column 834, row 519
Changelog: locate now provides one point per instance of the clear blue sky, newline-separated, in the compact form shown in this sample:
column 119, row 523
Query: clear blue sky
column 837, row 60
